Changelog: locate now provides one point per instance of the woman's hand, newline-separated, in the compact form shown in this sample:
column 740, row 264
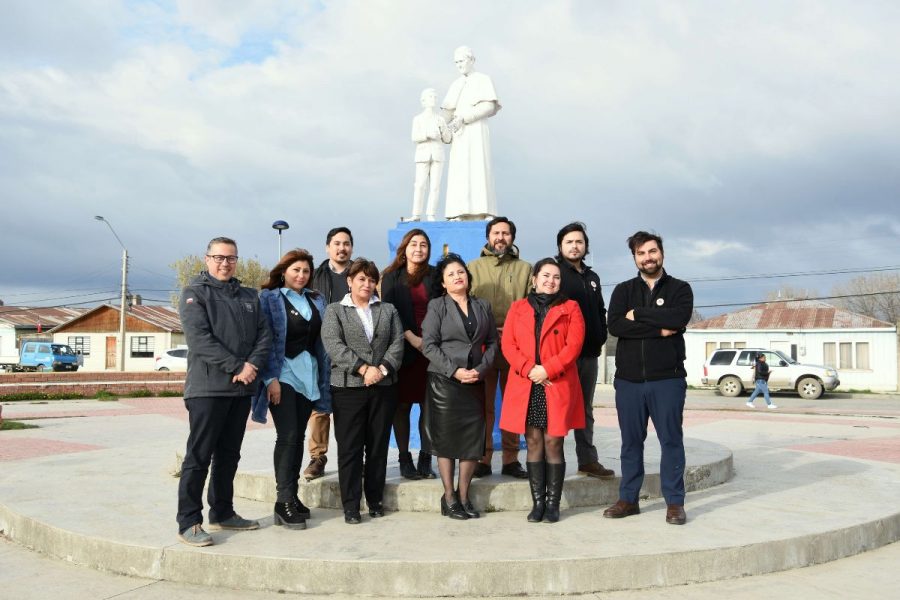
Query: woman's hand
column 414, row 340
column 372, row 375
column 273, row 390
column 538, row 374
column 466, row 375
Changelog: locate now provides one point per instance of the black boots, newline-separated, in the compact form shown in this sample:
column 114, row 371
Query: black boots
column 538, row 490
column 556, row 474
column 424, row 466
column 454, row 510
column 407, row 469
column 286, row 514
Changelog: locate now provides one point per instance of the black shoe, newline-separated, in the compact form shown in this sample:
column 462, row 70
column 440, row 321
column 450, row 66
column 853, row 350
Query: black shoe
column 286, row 515
column 482, row 470
column 454, row 511
column 351, row 517
column 407, row 468
column 470, row 510
column 514, row 469
column 301, row 508
column 423, row 466
column 556, row 474
column 538, row 484
column 376, row 509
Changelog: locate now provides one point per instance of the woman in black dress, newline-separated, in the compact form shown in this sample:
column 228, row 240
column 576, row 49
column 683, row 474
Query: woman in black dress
column 459, row 339
column 407, row 284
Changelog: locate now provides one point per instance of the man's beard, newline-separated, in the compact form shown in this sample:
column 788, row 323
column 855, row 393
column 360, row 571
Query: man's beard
column 650, row 271
column 497, row 252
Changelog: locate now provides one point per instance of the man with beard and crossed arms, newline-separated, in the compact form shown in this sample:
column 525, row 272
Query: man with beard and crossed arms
column 649, row 315
column 329, row 279
column 500, row 277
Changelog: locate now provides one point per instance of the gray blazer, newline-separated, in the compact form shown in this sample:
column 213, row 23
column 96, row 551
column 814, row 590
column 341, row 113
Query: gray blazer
column 346, row 343
column 444, row 340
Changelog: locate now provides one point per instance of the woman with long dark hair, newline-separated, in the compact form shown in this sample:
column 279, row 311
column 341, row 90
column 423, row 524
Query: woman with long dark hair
column 459, row 339
column 364, row 339
column 407, row 284
column 542, row 339
column 295, row 376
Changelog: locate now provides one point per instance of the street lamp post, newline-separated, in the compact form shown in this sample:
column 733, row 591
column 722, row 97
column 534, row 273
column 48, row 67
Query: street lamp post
column 280, row 226
column 124, row 293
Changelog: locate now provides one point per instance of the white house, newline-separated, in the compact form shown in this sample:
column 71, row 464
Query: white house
column 149, row 331
column 862, row 349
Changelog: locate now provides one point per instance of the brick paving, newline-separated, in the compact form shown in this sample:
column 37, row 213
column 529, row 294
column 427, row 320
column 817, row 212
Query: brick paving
column 880, row 449
column 17, row 447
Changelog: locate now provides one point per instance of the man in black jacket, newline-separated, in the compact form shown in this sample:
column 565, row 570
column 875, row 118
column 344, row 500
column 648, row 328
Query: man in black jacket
column 581, row 284
column 228, row 340
column 649, row 315
column 329, row 279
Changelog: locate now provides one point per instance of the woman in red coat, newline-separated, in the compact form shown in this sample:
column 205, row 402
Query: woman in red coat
column 542, row 339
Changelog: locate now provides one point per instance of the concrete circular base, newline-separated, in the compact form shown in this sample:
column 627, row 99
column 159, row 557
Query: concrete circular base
column 708, row 464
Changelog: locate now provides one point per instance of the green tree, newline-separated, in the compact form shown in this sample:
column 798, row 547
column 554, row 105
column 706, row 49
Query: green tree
column 250, row 271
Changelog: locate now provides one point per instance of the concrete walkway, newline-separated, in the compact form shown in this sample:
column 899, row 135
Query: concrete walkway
column 92, row 485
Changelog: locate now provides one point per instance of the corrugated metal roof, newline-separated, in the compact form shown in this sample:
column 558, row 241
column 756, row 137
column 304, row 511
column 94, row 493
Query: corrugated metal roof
column 26, row 317
column 794, row 314
column 164, row 317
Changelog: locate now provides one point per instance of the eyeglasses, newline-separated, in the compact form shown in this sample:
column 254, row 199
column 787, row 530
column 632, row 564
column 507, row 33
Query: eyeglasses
column 219, row 259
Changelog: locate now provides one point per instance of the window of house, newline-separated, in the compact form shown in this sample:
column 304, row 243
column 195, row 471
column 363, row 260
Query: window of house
column 724, row 344
column 862, row 355
column 80, row 343
column 829, row 356
column 142, row 346
column 740, row 344
column 846, row 355
column 710, row 348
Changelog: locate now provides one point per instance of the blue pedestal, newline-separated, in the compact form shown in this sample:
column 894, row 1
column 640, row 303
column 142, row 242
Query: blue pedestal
column 466, row 238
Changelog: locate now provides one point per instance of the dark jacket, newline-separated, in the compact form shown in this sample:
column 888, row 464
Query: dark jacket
column 321, row 282
column 584, row 288
column 642, row 354
column 445, row 342
column 395, row 290
column 346, row 343
column 761, row 370
column 224, row 328
column 272, row 305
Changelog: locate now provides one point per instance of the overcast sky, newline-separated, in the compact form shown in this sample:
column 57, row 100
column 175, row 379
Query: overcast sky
column 756, row 137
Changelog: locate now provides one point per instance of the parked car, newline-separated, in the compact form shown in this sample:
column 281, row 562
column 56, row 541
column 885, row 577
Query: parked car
column 44, row 356
column 731, row 370
column 174, row 359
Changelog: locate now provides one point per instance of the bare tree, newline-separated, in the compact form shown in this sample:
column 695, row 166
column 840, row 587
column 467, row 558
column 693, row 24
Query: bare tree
column 876, row 295
column 249, row 270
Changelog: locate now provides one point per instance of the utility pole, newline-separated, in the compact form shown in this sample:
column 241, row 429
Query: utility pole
column 124, row 294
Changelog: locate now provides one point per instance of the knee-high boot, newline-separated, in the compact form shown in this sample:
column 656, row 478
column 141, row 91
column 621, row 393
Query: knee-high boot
column 556, row 474
column 537, row 481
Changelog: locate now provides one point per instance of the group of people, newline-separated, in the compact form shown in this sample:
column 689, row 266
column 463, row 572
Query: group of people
column 364, row 345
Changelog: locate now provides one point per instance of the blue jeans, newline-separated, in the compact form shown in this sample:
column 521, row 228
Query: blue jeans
column 761, row 386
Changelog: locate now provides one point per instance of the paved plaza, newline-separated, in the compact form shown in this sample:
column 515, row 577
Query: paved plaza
column 91, row 491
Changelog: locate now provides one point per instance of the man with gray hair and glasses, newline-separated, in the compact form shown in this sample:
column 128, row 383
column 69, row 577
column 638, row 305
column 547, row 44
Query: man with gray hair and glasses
column 228, row 340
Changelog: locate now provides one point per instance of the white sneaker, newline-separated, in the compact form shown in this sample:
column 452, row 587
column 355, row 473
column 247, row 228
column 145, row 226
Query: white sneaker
column 772, row 406
column 750, row 405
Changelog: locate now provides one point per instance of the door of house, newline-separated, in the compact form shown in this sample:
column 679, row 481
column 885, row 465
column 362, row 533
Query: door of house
column 110, row 352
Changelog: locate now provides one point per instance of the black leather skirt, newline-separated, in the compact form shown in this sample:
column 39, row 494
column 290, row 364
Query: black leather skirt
column 452, row 421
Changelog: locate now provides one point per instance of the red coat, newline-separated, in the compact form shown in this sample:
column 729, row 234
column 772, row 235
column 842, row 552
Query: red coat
column 562, row 335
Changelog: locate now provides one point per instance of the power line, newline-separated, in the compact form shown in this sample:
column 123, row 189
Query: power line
column 798, row 299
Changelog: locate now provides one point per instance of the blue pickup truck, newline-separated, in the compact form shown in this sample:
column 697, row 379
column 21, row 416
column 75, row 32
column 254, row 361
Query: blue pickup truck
column 46, row 356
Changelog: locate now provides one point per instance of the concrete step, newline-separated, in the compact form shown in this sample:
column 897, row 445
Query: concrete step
column 708, row 464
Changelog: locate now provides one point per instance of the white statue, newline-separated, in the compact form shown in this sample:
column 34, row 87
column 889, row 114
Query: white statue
column 430, row 133
column 469, row 103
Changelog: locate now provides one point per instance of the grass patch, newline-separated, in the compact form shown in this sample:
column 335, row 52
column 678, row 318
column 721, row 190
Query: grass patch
column 11, row 425
column 40, row 396
column 170, row 394
column 105, row 396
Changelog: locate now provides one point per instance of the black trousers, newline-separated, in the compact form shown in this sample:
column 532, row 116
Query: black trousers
column 217, row 432
column 362, row 427
column 290, row 416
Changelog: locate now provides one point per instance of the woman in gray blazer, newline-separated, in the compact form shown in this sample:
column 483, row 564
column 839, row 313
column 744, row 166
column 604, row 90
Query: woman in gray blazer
column 459, row 338
column 364, row 339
